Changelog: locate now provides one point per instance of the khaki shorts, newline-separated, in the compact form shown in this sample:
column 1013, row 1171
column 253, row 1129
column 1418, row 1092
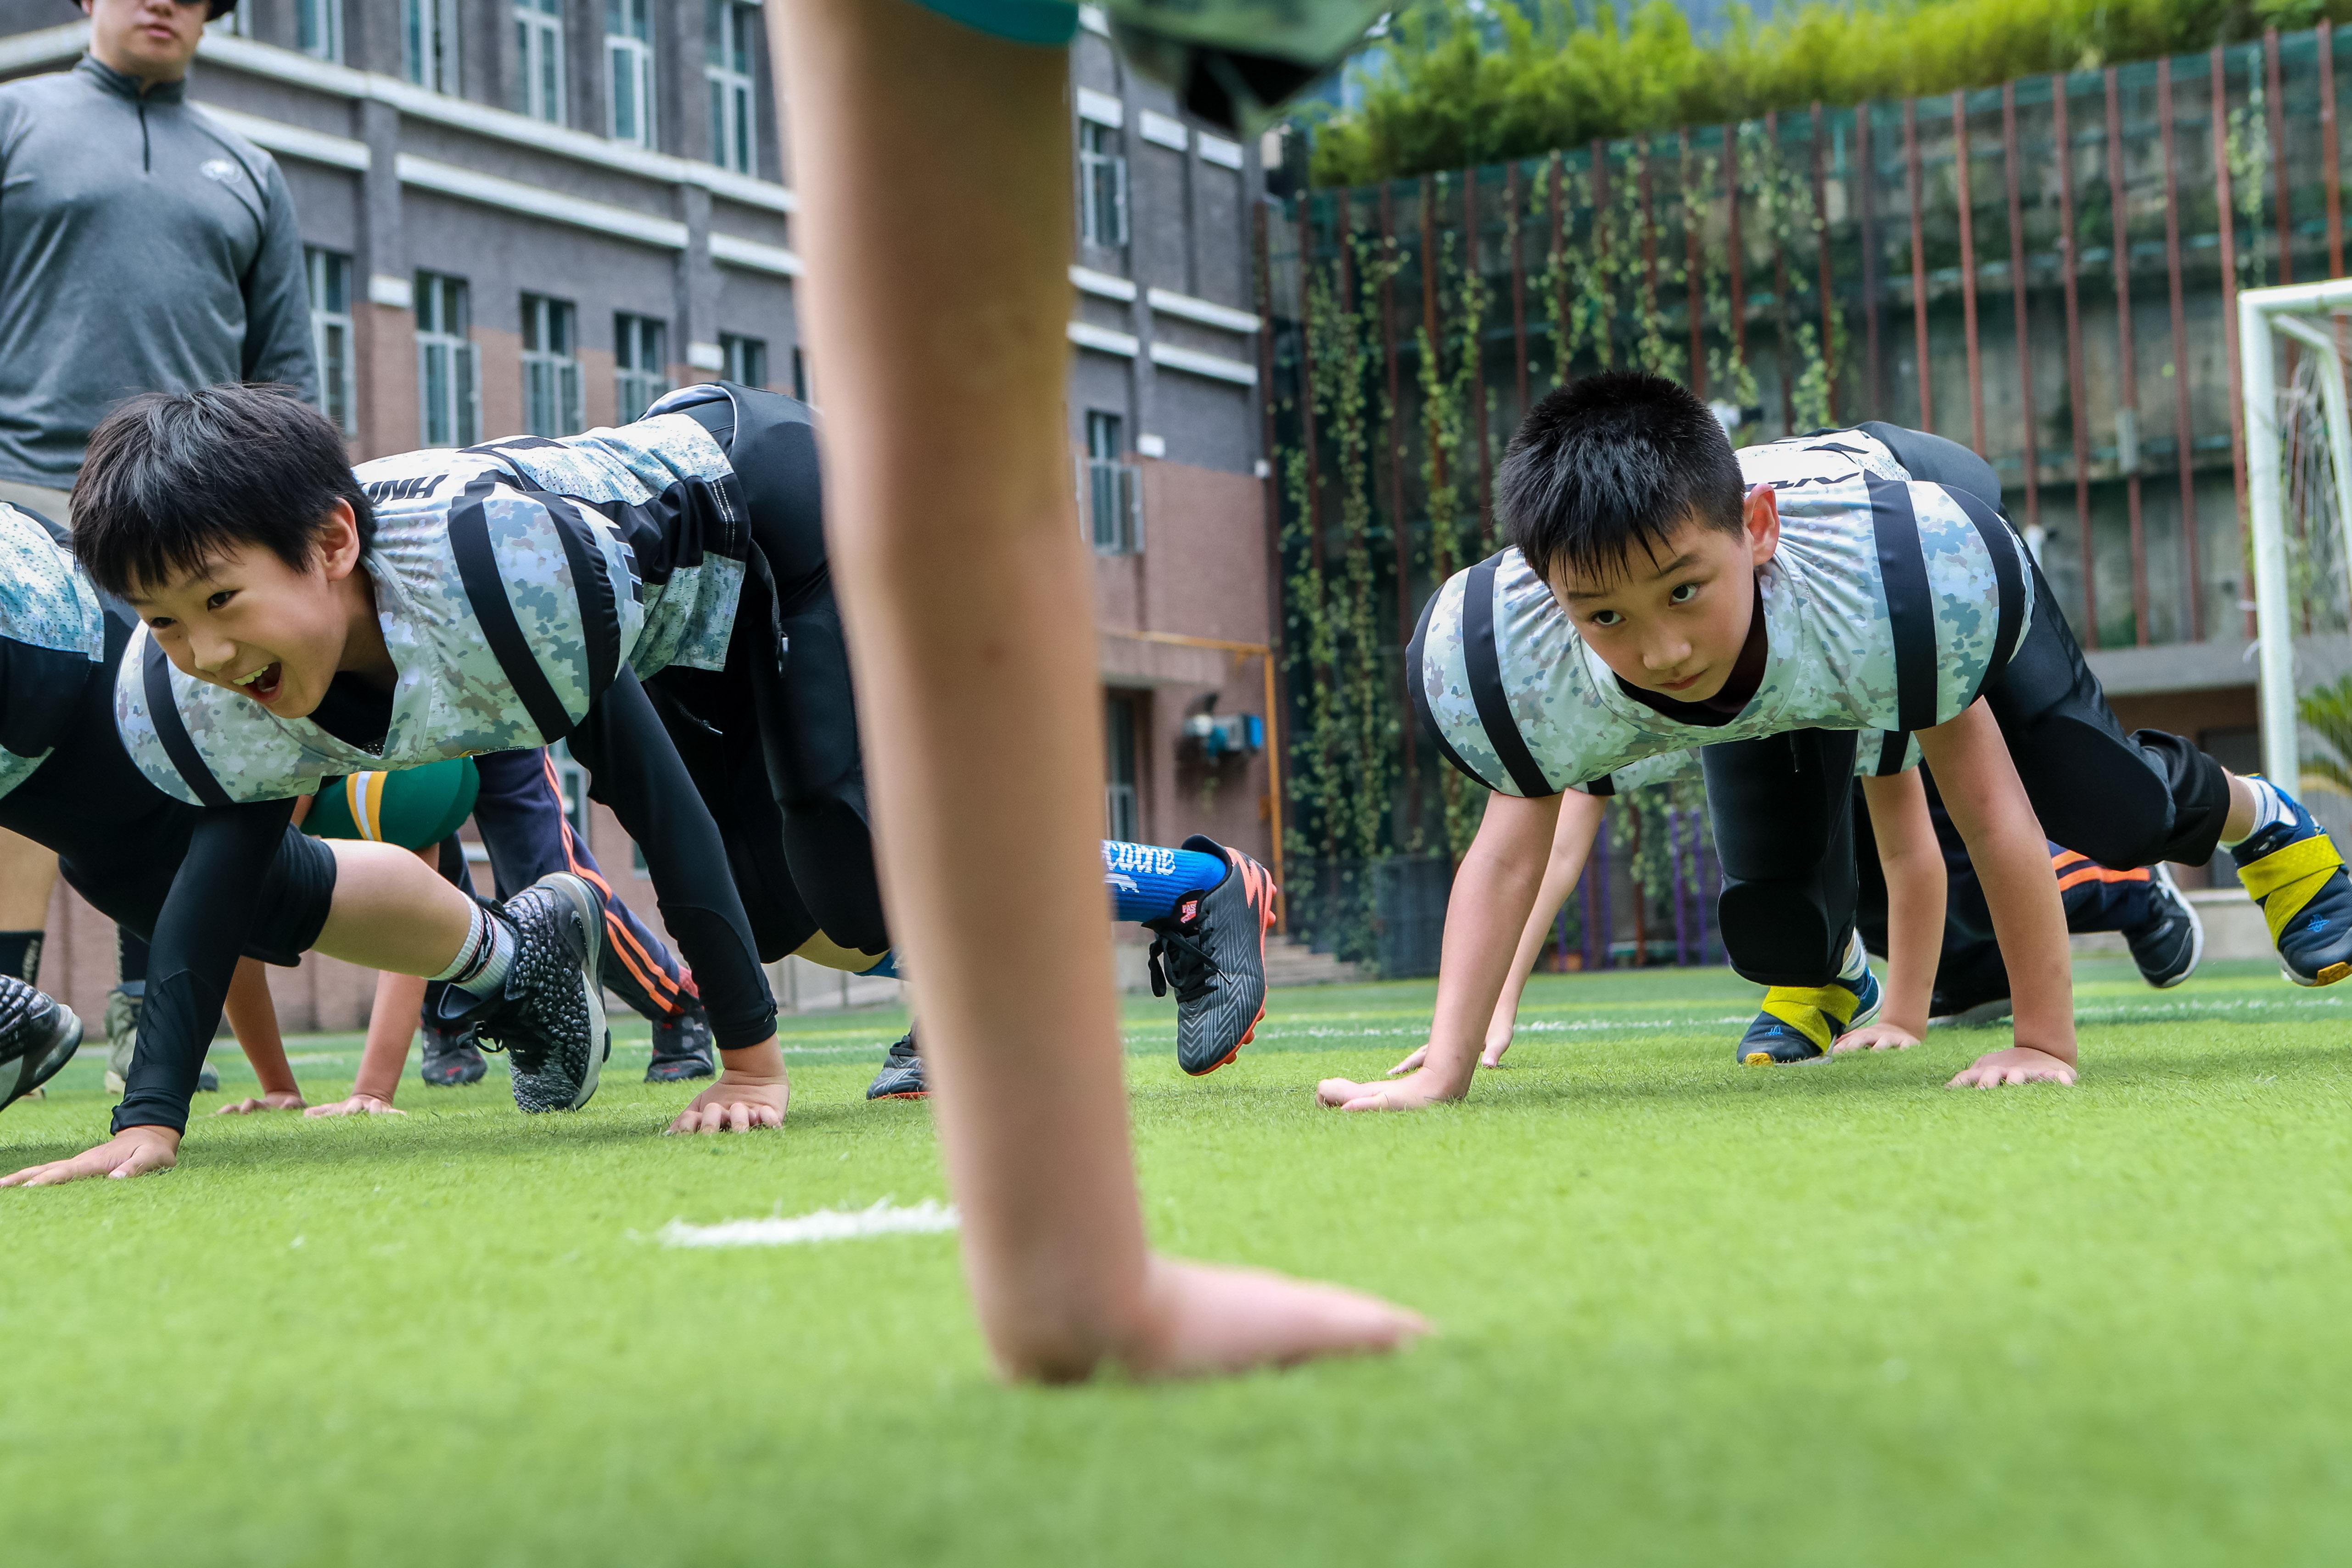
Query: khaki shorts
column 55, row 505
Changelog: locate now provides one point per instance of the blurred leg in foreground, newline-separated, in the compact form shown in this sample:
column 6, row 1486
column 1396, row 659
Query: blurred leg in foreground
column 934, row 175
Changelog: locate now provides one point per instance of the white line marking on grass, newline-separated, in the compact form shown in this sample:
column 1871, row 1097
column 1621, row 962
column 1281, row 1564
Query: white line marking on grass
column 884, row 1218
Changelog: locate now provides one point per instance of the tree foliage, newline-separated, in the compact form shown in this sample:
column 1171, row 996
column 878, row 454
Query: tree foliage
column 1456, row 83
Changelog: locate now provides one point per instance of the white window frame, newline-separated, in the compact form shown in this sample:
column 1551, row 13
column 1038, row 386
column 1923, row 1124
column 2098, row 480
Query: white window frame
column 744, row 360
column 641, row 360
column 539, row 59
column 428, row 43
column 551, row 375
column 629, row 64
column 332, row 336
column 325, row 20
column 1102, row 185
column 727, row 72
column 448, row 363
column 1110, row 488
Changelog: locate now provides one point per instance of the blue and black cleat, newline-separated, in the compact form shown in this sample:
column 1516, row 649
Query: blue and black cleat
column 2291, row 870
column 1798, row 1023
column 901, row 1077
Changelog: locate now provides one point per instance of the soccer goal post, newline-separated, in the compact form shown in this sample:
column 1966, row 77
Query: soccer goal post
column 2298, row 490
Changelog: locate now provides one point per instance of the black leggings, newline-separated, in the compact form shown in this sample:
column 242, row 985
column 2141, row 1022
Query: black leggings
column 1781, row 807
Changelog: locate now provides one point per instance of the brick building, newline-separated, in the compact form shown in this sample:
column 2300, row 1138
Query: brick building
column 537, row 215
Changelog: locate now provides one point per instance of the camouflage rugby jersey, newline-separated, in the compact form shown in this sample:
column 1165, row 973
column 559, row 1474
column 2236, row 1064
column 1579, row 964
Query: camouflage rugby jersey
column 1889, row 605
column 52, row 639
column 513, row 582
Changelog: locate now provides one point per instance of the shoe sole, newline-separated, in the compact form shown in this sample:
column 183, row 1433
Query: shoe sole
column 591, row 910
column 1251, row 884
column 2326, row 976
column 904, row 1094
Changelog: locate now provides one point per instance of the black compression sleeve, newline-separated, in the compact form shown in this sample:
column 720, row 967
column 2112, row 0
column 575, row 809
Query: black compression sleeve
column 634, row 768
column 197, row 940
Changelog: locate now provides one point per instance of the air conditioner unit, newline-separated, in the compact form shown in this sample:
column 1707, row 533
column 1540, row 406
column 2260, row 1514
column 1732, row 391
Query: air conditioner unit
column 1230, row 735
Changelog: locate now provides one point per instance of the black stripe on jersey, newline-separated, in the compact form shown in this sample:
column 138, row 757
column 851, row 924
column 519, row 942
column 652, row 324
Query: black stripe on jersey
column 1892, row 748
column 1484, row 663
column 477, row 569
column 1910, row 611
column 1417, row 687
column 163, row 711
column 600, row 617
column 2002, row 545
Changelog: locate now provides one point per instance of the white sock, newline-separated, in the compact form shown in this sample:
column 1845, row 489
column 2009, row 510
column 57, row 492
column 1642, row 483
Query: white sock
column 483, row 958
column 2270, row 806
column 1857, row 959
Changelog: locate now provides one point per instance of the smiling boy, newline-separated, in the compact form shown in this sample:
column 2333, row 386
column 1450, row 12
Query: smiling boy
column 1663, row 593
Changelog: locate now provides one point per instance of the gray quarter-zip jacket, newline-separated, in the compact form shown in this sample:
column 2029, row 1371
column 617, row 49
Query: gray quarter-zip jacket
column 144, row 247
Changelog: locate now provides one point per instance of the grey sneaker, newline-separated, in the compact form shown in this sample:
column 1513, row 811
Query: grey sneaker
column 901, row 1077
column 681, row 1046
column 549, row 1015
column 450, row 1061
column 122, row 1009
column 38, row 1034
column 1212, row 950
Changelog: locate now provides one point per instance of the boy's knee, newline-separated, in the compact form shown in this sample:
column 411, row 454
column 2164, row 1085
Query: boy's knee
column 1775, row 936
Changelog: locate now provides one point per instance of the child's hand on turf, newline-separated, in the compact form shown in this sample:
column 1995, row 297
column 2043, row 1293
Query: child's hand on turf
column 133, row 1151
column 736, row 1102
column 1492, row 1056
column 1412, row 1093
column 274, row 1100
column 357, row 1105
column 2019, row 1064
column 1881, row 1037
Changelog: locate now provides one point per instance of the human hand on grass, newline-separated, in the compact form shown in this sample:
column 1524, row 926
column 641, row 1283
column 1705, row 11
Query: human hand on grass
column 133, row 1151
column 736, row 1102
column 1208, row 1319
column 1492, row 1056
column 357, row 1105
column 1879, row 1037
column 1421, row 1087
column 273, row 1099
column 2019, row 1064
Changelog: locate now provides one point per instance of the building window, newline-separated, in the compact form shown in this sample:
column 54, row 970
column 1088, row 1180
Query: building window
column 800, row 374
column 550, row 367
column 428, row 43
column 319, row 28
column 1107, row 488
column 237, row 24
column 726, row 67
column 747, row 359
column 1122, row 812
column 448, row 379
column 330, row 274
column 1102, row 185
column 641, row 349
column 629, row 71
column 539, row 58
column 572, row 780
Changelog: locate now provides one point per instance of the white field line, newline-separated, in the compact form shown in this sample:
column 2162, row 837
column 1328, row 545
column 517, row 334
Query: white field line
column 884, row 1218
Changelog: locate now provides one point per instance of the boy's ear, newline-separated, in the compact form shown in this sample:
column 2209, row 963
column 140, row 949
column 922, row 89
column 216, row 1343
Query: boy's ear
column 1760, row 514
column 338, row 541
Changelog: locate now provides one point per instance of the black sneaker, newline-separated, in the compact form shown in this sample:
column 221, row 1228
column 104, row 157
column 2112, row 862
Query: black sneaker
column 681, row 1046
column 2168, row 949
column 38, row 1034
column 549, row 1016
column 1211, row 949
column 901, row 1077
column 451, row 1059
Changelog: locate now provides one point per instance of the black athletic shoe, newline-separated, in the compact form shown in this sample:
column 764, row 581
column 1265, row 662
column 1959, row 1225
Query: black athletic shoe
column 451, row 1059
column 1211, row 949
column 38, row 1034
column 901, row 1077
column 681, row 1046
column 2167, row 950
column 1966, row 1011
column 549, row 1016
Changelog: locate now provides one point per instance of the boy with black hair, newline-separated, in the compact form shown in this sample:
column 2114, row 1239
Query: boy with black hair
column 67, row 782
column 300, row 622
column 1665, row 593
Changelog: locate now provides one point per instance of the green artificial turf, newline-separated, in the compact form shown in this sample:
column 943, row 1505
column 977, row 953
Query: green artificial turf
column 1691, row 1313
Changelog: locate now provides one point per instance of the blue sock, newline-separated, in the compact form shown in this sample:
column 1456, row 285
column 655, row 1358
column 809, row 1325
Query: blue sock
column 1144, row 880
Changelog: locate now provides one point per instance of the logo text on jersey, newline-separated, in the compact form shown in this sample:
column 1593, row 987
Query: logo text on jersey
column 410, row 489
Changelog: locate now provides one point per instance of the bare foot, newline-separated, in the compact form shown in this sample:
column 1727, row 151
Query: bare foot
column 1209, row 1319
column 278, row 1099
column 736, row 1102
column 2019, row 1064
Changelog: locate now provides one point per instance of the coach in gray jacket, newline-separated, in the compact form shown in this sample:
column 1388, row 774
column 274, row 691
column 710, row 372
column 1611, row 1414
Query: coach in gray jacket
column 144, row 247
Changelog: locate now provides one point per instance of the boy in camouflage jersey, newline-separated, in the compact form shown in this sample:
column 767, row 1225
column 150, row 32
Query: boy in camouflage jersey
column 1665, row 593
